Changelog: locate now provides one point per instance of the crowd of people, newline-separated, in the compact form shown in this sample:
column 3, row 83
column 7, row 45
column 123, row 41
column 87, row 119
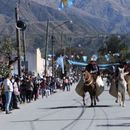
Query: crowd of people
column 15, row 91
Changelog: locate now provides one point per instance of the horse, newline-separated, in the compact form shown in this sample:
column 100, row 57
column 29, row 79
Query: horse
column 122, row 87
column 90, row 87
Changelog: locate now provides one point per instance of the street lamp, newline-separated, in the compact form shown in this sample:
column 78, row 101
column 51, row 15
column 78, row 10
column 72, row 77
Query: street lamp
column 24, row 49
column 20, row 26
column 46, row 44
column 52, row 40
column 18, row 39
column 46, row 49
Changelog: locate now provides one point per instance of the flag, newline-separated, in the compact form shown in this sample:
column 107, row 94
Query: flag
column 60, row 63
column 70, row 2
column 85, row 58
column 107, row 57
column 65, row 3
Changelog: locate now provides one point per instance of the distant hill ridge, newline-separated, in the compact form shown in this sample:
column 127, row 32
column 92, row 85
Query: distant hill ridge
column 88, row 16
column 112, row 16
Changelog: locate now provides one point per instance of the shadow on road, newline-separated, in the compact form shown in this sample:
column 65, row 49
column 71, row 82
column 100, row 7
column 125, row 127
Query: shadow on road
column 66, row 107
column 115, row 125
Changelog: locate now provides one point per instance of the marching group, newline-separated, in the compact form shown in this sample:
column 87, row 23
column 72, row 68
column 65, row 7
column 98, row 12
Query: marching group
column 15, row 91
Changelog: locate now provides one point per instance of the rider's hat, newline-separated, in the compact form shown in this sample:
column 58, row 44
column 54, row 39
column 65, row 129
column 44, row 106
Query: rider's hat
column 93, row 58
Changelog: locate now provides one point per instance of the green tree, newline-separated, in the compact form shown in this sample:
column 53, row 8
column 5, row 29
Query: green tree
column 6, row 50
column 114, row 44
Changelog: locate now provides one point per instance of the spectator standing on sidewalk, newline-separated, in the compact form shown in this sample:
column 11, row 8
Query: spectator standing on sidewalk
column 29, row 89
column 8, row 89
column 23, row 90
column 43, row 87
column 16, row 93
column 35, row 89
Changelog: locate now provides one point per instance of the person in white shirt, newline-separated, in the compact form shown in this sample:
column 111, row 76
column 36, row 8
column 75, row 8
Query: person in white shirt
column 8, row 89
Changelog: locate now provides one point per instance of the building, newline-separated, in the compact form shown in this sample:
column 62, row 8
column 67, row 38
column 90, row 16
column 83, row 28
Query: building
column 35, row 63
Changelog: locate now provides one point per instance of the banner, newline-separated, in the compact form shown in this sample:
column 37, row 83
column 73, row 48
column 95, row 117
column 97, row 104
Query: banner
column 60, row 63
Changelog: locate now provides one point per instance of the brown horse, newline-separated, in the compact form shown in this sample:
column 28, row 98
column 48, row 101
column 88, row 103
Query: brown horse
column 90, row 87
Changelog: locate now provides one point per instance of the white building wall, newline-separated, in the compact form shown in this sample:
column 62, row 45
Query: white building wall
column 40, row 62
column 36, row 63
column 31, row 58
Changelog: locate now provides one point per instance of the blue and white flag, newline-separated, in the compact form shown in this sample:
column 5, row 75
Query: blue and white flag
column 65, row 3
column 85, row 58
column 60, row 63
column 107, row 57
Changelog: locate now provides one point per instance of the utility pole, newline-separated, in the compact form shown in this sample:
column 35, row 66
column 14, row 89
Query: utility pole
column 61, row 40
column 46, row 48
column 18, row 39
column 70, row 39
column 53, row 40
column 24, row 50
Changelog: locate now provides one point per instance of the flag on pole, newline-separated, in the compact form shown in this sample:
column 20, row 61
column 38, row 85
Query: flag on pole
column 85, row 58
column 107, row 57
column 65, row 3
column 60, row 63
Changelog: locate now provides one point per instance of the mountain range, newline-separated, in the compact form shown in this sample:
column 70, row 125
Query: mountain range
column 112, row 16
column 90, row 17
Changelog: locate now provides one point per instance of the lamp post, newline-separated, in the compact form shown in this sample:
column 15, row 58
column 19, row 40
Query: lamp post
column 20, row 26
column 18, row 40
column 24, row 49
column 52, row 40
column 46, row 48
column 46, row 44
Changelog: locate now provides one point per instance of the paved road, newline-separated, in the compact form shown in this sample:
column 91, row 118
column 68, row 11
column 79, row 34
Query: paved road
column 64, row 111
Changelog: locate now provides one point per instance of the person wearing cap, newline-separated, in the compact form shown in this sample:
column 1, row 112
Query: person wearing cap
column 93, row 69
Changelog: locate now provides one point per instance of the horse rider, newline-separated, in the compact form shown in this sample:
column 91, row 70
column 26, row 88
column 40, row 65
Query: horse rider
column 93, row 69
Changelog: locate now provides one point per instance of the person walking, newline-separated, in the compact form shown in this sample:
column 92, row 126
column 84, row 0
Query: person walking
column 8, row 89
